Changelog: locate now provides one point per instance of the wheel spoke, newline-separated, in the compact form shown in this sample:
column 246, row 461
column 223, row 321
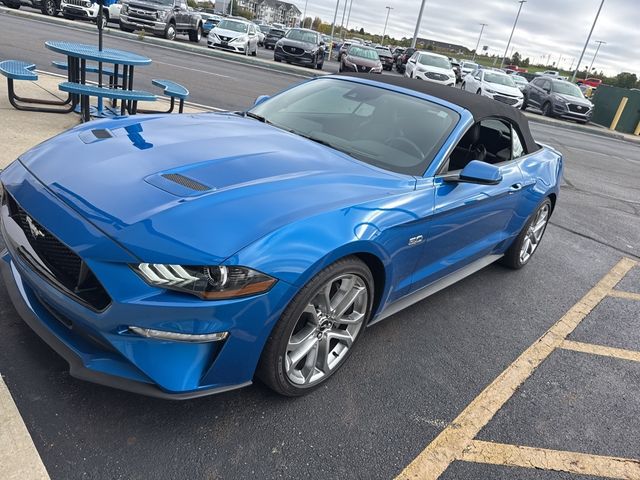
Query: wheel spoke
column 353, row 318
column 348, row 300
column 310, row 364
column 300, row 337
column 342, row 335
column 323, row 355
column 324, row 299
column 312, row 313
column 302, row 350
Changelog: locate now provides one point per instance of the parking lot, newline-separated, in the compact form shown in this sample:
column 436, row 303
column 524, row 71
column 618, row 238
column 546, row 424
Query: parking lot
column 529, row 374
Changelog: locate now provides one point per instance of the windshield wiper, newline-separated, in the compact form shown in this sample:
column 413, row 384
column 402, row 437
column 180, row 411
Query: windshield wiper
column 255, row 116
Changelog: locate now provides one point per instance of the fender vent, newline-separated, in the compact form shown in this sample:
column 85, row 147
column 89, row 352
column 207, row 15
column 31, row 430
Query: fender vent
column 186, row 182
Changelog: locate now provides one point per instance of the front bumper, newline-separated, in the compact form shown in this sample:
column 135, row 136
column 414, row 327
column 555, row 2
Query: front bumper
column 98, row 344
column 237, row 47
column 450, row 82
column 515, row 102
column 304, row 59
column 564, row 111
column 135, row 23
column 79, row 12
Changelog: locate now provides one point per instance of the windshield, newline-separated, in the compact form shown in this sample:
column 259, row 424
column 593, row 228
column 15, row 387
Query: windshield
column 233, row 26
column 302, row 36
column 433, row 61
column 499, row 79
column 471, row 65
column 566, row 88
column 276, row 33
column 384, row 51
column 390, row 130
column 519, row 80
column 265, row 28
column 362, row 52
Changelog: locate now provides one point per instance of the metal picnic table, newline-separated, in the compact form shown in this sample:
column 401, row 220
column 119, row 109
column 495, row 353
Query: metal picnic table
column 78, row 54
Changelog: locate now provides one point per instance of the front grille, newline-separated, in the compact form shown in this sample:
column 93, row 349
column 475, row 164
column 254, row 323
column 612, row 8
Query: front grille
column 293, row 50
column 363, row 69
column 507, row 100
column 80, row 3
column 186, row 182
column 436, row 76
column 577, row 108
column 62, row 266
column 225, row 39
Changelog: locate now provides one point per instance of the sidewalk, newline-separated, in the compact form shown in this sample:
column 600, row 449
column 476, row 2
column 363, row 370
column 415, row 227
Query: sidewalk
column 20, row 130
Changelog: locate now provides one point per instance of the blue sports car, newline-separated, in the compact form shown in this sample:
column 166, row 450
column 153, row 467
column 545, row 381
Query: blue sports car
column 183, row 255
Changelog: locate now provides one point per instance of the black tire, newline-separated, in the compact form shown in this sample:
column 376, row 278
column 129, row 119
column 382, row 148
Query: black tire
column 271, row 368
column 320, row 66
column 15, row 6
column 479, row 92
column 255, row 52
column 49, row 8
column 195, row 35
column 170, row 31
column 547, row 110
column 511, row 257
column 276, row 59
column 105, row 19
column 524, row 104
column 340, row 69
column 125, row 29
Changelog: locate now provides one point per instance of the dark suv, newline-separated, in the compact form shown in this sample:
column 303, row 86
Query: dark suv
column 272, row 37
column 47, row 7
column 301, row 46
column 557, row 98
column 401, row 61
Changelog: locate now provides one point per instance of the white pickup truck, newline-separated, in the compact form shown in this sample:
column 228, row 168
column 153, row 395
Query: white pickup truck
column 551, row 73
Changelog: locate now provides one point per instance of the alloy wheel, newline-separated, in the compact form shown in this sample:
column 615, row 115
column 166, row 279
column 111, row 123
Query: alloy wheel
column 326, row 330
column 534, row 233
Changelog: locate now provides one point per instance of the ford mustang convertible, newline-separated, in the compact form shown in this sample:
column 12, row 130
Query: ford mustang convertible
column 184, row 255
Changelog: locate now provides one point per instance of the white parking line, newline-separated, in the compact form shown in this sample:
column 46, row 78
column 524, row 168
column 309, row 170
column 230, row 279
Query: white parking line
column 192, row 69
column 19, row 459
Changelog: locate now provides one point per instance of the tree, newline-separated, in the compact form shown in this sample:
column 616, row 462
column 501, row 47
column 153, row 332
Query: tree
column 626, row 80
column 317, row 23
column 242, row 12
column 307, row 22
column 192, row 3
column 361, row 31
column 526, row 62
column 516, row 59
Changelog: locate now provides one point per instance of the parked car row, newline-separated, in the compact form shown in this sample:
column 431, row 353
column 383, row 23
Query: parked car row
column 72, row 9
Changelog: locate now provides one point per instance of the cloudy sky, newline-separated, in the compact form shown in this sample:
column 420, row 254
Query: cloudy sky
column 546, row 27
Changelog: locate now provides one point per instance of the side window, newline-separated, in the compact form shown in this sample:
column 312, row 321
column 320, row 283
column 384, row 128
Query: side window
column 415, row 56
column 477, row 74
column 488, row 141
column 537, row 82
column 546, row 86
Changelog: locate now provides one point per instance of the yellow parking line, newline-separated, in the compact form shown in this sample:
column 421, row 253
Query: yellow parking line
column 601, row 350
column 627, row 295
column 542, row 458
column 456, row 437
column 19, row 459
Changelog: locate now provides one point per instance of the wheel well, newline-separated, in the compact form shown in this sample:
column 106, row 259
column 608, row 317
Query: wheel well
column 377, row 270
column 552, row 197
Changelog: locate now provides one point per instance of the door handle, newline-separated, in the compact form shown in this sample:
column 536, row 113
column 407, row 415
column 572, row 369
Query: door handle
column 515, row 187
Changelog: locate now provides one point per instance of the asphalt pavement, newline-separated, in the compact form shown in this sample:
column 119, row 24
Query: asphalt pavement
column 408, row 378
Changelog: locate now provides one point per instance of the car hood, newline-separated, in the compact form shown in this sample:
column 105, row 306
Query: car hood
column 148, row 5
column 298, row 44
column 504, row 89
column 364, row 62
column 198, row 188
column 227, row 33
column 429, row 68
column 575, row 100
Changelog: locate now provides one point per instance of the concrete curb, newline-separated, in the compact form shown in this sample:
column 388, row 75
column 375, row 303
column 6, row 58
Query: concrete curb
column 600, row 131
column 186, row 47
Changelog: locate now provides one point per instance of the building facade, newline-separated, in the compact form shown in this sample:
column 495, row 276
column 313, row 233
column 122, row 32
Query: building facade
column 273, row 11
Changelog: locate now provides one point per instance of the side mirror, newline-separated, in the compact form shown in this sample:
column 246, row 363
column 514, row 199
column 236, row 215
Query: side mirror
column 261, row 99
column 478, row 172
column 411, row 60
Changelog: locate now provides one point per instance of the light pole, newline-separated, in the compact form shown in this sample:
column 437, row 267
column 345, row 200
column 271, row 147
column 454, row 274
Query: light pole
column 599, row 42
column 384, row 32
column 417, row 31
column 344, row 13
column 478, row 44
column 521, row 2
column 333, row 28
column 349, row 14
column 304, row 15
column 575, row 73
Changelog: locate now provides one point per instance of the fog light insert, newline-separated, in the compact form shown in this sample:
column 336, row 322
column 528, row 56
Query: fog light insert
column 179, row 337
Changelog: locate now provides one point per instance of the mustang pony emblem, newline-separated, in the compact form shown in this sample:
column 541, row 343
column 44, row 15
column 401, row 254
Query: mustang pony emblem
column 35, row 231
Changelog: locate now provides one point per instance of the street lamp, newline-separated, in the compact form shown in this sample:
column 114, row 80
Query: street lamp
column 478, row 44
column 344, row 13
column 304, row 15
column 521, row 2
column 417, row 30
column 333, row 28
column 349, row 14
column 384, row 32
column 573, row 79
column 599, row 42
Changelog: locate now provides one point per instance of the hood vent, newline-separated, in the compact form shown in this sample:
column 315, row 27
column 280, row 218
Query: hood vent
column 186, row 182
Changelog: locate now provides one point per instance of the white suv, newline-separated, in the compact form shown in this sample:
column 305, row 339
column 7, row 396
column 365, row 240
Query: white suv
column 431, row 67
column 87, row 10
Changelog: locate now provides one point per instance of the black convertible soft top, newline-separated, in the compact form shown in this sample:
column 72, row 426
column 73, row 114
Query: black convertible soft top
column 479, row 106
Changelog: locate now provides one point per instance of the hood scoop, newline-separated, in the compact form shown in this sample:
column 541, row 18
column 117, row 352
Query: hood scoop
column 178, row 184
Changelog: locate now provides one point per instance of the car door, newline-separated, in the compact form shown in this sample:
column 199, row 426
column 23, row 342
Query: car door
column 471, row 221
column 182, row 15
column 535, row 92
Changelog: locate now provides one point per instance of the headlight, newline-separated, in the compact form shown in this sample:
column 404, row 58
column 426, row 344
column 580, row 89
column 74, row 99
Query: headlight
column 125, row 8
column 88, row 4
column 162, row 14
column 558, row 98
column 489, row 91
column 208, row 283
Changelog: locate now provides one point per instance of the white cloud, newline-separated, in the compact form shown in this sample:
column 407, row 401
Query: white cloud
column 557, row 28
